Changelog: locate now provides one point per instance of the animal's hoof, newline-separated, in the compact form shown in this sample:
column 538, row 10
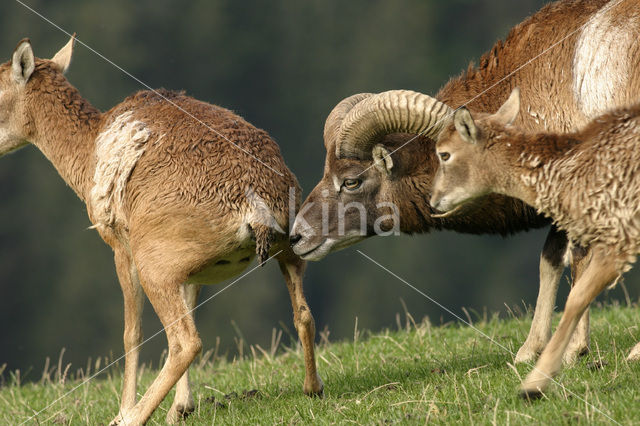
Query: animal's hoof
column 117, row 421
column 526, row 355
column 634, row 355
column 571, row 355
column 125, row 418
column 315, row 388
column 179, row 412
column 531, row 394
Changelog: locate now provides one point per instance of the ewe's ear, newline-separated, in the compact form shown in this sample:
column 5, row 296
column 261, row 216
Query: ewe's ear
column 23, row 63
column 465, row 126
column 62, row 59
column 508, row 112
column 382, row 159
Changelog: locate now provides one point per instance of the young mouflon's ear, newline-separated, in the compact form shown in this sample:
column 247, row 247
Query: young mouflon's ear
column 508, row 112
column 464, row 125
column 23, row 62
column 62, row 59
column 382, row 159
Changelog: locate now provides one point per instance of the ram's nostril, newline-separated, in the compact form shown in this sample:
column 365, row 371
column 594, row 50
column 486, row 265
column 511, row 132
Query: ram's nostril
column 294, row 238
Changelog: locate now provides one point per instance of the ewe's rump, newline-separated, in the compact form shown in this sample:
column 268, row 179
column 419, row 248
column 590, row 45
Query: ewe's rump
column 202, row 156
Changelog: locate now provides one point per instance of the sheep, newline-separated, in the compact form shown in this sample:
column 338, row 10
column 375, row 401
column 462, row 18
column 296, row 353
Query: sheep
column 587, row 181
column 582, row 57
column 185, row 193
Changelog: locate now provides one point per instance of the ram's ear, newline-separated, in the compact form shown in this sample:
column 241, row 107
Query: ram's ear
column 62, row 59
column 382, row 159
column 23, row 62
column 508, row 112
column 465, row 125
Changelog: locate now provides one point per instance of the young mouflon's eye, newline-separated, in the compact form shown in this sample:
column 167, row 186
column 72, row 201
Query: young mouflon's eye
column 352, row 184
column 444, row 156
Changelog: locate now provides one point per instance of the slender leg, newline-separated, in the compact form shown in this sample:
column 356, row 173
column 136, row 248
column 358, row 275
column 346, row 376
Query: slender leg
column 183, row 403
column 634, row 355
column 579, row 344
column 133, row 304
column 551, row 268
column 166, row 295
column 292, row 268
column 598, row 274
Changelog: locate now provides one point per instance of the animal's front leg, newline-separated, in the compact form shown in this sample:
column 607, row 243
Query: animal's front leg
column 600, row 272
column 165, row 294
column 551, row 268
column 634, row 355
column 183, row 403
column 292, row 268
column 133, row 304
column 579, row 343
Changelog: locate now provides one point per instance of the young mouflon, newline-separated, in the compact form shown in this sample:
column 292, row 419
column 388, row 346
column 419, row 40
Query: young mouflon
column 588, row 182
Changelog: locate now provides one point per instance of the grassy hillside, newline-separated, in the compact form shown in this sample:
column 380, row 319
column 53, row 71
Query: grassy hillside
column 440, row 374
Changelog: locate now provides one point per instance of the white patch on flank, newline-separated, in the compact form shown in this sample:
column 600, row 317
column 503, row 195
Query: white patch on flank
column 118, row 149
column 601, row 63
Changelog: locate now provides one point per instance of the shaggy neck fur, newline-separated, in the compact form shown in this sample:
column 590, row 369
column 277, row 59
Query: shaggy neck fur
column 522, row 162
column 586, row 181
column 64, row 127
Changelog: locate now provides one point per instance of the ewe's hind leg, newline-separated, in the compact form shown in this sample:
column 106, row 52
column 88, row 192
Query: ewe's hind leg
column 634, row 355
column 165, row 294
column 579, row 344
column 599, row 273
column 292, row 268
column 133, row 303
column 551, row 268
column 183, row 404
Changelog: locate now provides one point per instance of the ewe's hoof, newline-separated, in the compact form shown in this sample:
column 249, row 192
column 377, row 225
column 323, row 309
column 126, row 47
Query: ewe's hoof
column 117, row 421
column 179, row 412
column 531, row 394
column 315, row 389
column 634, row 355
column 571, row 355
column 526, row 355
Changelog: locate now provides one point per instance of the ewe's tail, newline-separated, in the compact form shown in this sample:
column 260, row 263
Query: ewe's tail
column 264, row 238
column 263, row 224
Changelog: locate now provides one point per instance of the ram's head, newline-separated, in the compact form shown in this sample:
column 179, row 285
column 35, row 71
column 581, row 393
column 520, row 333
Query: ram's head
column 378, row 172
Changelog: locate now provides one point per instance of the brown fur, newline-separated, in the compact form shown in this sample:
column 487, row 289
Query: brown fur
column 586, row 181
column 548, row 77
column 183, row 217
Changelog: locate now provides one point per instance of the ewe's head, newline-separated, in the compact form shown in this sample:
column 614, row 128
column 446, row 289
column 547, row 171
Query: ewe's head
column 467, row 170
column 17, row 80
column 368, row 171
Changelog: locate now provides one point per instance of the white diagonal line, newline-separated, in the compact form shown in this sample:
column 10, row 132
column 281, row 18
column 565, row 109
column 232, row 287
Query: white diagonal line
column 106, row 367
column 608, row 6
column 483, row 334
column 150, row 88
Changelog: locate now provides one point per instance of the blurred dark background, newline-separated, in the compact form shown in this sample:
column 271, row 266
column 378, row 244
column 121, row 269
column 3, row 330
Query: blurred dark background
column 282, row 65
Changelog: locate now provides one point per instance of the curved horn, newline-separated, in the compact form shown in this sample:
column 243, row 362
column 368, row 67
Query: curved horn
column 335, row 117
column 395, row 111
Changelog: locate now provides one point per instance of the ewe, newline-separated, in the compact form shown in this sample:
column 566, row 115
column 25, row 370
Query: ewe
column 179, row 204
column 587, row 182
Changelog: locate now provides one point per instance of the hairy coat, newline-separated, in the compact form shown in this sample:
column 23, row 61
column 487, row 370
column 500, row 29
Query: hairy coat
column 587, row 181
column 184, row 192
column 572, row 60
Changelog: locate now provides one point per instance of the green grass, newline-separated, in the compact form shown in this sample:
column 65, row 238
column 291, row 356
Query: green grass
column 422, row 373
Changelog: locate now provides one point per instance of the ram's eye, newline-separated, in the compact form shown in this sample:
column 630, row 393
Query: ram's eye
column 352, row 184
column 444, row 156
